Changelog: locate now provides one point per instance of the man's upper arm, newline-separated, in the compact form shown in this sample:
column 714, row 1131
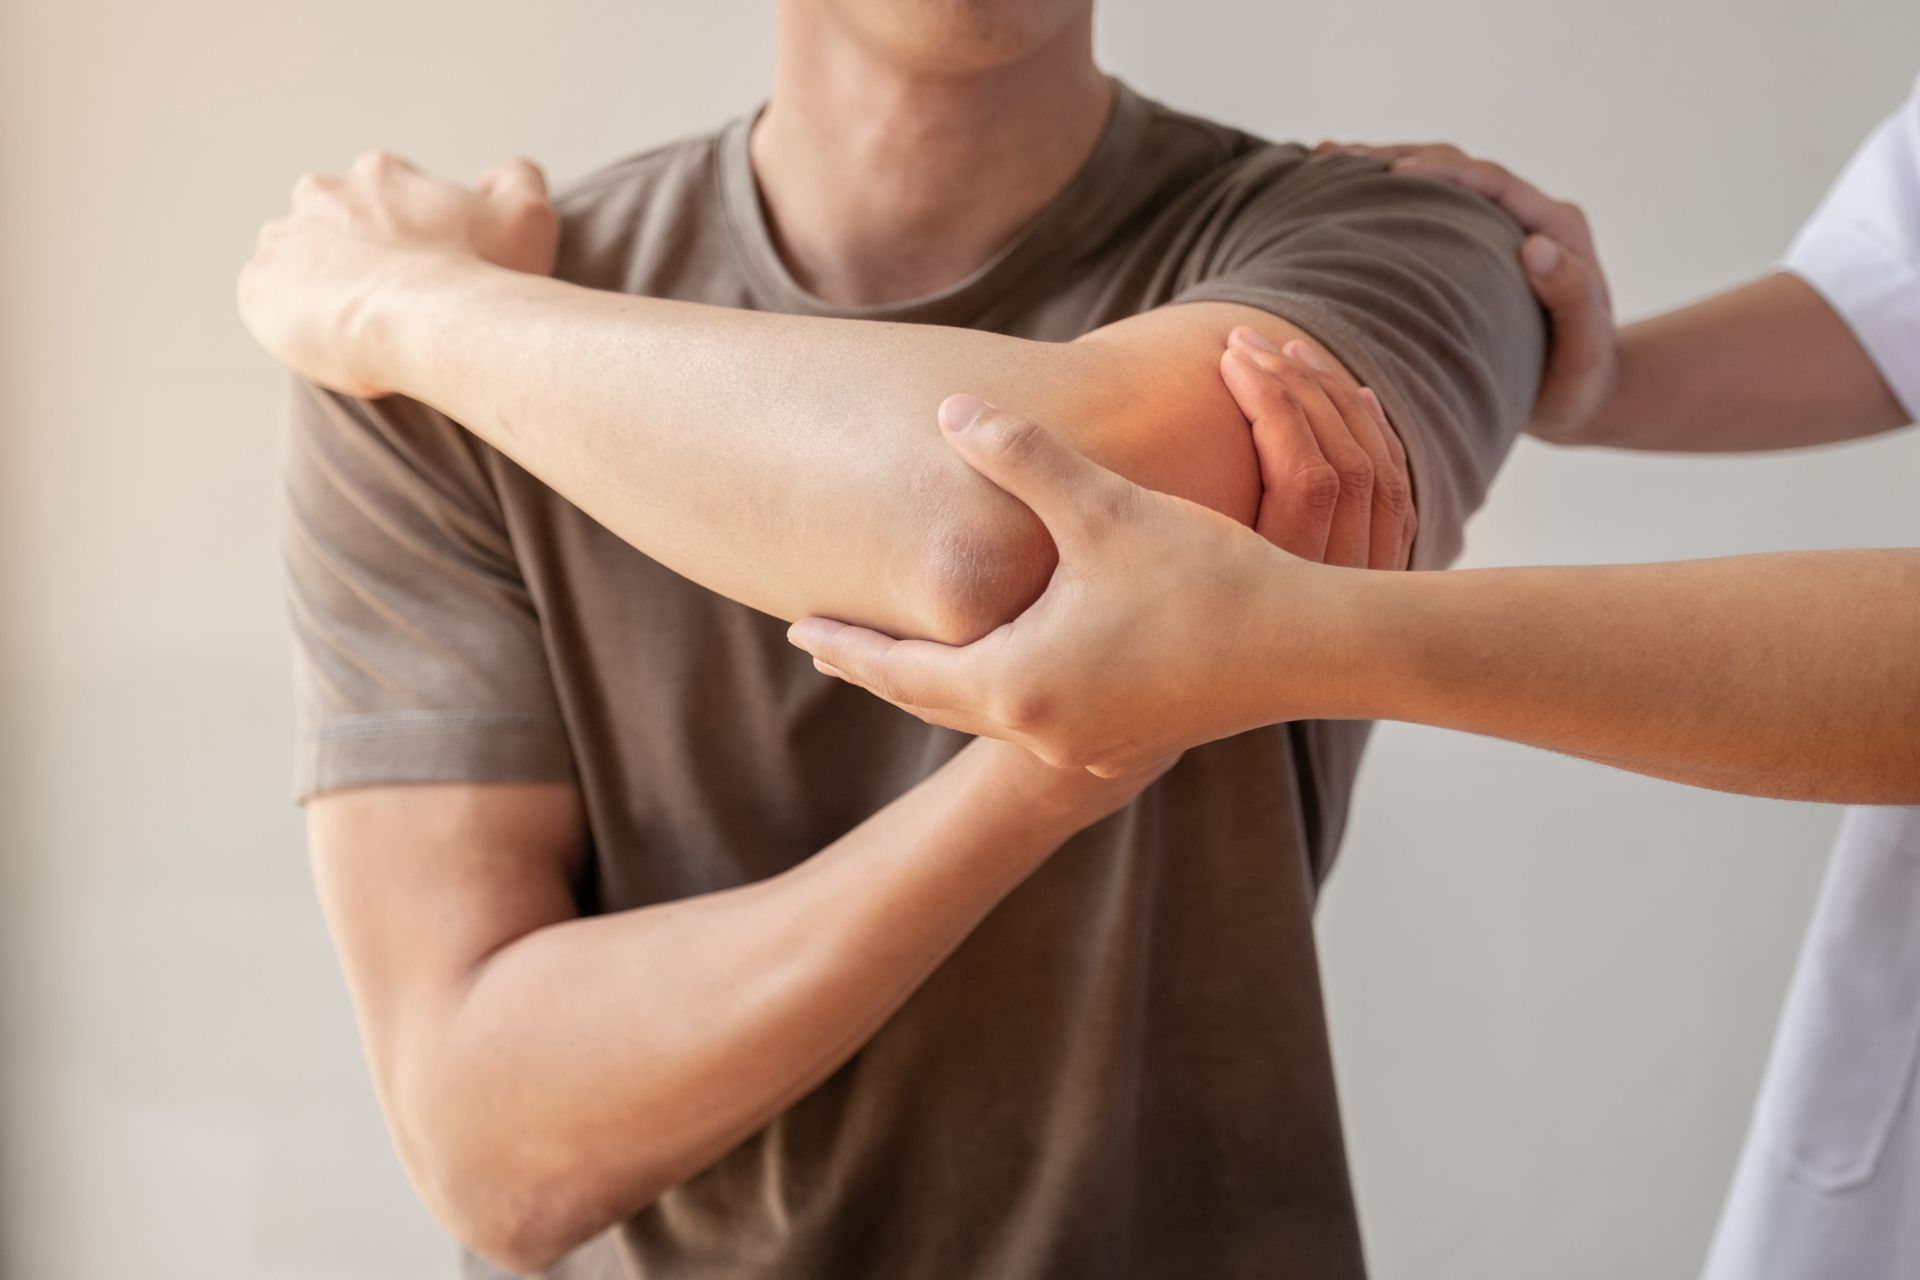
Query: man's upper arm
column 418, row 655
column 1160, row 413
column 1415, row 287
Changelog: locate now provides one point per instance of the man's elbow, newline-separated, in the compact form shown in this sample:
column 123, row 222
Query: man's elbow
column 500, row 1191
column 981, row 570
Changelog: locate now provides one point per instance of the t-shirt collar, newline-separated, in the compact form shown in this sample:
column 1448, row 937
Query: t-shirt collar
column 1069, row 217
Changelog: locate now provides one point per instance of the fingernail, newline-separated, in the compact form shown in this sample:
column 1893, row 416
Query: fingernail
column 957, row 413
column 1306, row 355
column 1255, row 339
column 1373, row 403
column 1541, row 255
column 827, row 669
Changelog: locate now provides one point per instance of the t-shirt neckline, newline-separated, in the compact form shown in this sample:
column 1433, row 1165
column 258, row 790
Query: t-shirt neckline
column 1068, row 216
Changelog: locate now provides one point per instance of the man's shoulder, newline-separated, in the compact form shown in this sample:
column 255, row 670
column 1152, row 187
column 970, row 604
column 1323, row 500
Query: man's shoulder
column 1223, row 148
column 1241, row 172
column 627, row 208
column 643, row 171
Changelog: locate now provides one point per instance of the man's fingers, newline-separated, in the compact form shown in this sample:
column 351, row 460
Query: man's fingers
column 521, row 179
column 1525, row 203
column 1299, row 488
column 381, row 165
column 1075, row 497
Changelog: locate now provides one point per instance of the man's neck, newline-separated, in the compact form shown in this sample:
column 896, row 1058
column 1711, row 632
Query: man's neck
column 884, row 183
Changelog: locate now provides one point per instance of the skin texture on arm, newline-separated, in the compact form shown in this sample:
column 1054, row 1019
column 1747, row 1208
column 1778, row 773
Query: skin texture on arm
column 787, row 462
column 1794, row 675
column 1767, row 365
column 545, row 1076
column 1164, row 626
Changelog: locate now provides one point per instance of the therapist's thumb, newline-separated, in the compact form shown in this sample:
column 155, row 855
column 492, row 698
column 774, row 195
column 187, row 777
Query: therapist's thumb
column 1575, row 296
column 1075, row 497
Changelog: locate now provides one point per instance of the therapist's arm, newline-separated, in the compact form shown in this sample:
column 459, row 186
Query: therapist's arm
column 1793, row 675
column 787, row 462
column 1766, row 365
column 1164, row 625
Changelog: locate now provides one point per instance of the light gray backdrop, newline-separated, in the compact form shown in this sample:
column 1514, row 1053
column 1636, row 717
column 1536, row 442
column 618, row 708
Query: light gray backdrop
column 1551, row 986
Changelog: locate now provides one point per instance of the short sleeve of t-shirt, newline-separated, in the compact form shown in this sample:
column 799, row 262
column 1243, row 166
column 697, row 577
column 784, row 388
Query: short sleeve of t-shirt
column 418, row 656
column 1415, row 286
column 1861, row 249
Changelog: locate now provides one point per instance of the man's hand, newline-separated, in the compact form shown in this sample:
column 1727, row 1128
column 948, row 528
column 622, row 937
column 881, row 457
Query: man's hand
column 1561, row 262
column 312, row 289
column 1162, row 624
column 1060, row 796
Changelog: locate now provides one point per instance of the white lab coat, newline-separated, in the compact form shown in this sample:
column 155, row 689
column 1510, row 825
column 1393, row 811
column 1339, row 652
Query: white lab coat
column 1828, row 1184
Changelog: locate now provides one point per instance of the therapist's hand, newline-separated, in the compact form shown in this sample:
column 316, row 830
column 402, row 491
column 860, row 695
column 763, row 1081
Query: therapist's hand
column 1563, row 266
column 1165, row 624
column 1334, row 486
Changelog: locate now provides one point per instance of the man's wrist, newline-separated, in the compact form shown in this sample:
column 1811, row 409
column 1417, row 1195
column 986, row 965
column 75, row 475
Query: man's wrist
column 394, row 327
column 1046, row 805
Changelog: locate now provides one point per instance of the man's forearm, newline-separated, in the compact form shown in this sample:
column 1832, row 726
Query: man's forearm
column 793, row 463
column 1769, row 365
column 593, row 1064
column 1794, row 675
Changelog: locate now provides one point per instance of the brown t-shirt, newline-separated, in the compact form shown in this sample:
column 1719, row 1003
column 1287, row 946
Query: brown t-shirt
column 1124, row 1072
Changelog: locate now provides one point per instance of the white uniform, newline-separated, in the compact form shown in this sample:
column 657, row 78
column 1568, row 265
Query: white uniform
column 1828, row 1185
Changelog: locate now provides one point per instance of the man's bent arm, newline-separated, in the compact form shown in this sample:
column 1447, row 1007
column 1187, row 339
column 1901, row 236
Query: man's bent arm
column 793, row 463
column 545, row 1075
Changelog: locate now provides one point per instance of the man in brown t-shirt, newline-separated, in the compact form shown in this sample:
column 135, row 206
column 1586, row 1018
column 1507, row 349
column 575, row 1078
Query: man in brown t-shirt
column 674, row 957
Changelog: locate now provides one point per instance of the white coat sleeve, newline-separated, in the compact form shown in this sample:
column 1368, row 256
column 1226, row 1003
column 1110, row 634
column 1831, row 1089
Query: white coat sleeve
column 1861, row 250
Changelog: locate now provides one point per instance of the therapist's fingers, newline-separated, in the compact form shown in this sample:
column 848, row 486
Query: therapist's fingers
column 1410, row 523
column 1388, row 152
column 1583, row 350
column 1299, row 488
column 1392, row 493
column 1349, row 537
column 1526, row 204
column 1075, row 497
column 936, row 682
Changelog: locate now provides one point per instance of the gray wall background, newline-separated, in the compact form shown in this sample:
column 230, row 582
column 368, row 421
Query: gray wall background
column 1551, row 987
